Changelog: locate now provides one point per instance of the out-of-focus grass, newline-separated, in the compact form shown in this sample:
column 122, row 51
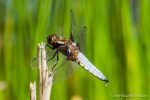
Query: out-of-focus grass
column 117, row 43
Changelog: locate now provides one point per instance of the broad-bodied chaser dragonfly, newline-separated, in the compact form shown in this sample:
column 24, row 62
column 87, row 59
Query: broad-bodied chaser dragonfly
column 71, row 51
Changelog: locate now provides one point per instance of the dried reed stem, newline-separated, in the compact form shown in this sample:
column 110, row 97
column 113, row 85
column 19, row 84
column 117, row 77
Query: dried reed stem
column 45, row 78
column 32, row 91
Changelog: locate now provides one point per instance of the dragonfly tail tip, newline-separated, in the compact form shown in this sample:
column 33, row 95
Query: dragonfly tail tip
column 106, row 81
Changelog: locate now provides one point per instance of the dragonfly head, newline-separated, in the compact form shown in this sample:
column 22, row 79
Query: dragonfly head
column 52, row 39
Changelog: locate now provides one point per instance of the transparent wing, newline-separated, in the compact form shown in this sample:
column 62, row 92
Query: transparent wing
column 64, row 69
column 49, row 54
column 78, row 31
column 73, row 24
column 82, row 39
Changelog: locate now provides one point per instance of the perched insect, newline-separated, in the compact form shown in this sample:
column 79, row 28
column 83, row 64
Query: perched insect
column 71, row 51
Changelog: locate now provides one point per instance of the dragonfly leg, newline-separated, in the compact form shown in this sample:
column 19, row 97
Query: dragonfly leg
column 56, row 60
column 52, row 56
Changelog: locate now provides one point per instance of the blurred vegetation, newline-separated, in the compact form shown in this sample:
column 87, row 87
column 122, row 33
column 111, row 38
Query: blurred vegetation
column 118, row 43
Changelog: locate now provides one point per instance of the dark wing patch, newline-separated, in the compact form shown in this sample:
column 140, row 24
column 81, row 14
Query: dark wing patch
column 71, row 37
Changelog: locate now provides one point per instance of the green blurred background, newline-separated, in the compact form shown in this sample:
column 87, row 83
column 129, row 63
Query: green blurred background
column 117, row 43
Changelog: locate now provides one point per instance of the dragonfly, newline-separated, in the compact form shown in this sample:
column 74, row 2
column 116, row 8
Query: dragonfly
column 71, row 51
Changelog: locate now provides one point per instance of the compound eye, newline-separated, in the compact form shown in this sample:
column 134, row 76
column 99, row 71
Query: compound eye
column 54, row 37
column 49, row 40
